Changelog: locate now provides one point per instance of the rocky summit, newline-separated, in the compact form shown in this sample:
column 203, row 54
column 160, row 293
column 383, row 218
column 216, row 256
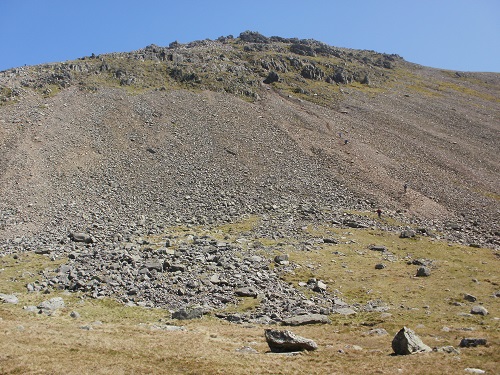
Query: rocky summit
column 105, row 159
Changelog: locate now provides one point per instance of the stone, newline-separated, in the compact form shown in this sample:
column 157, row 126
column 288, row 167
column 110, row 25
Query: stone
column 479, row 310
column 9, row 298
column 188, row 313
column 470, row 297
column 408, row 233
column 272, row 77
column 423, row 271
column 377, row 332
column 246, row 292
column 355, row 224
column 472, row 370
column 300, row 320
column 407, row 342
column 74, row 314
column 378, row 248
column 468, row 342
column 247, row 350
column 344, row 311
column 447, row 349
column 287, row 341
column 51, row 305
column 154, row 265
column 281, row 259
column 380, row 266
column 319, row 286
column 81, row 237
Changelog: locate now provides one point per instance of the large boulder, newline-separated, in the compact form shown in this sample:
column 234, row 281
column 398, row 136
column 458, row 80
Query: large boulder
column 287, row 341
column 407, row 342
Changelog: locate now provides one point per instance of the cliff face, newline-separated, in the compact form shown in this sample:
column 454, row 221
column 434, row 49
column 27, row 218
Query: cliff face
column 213, row 130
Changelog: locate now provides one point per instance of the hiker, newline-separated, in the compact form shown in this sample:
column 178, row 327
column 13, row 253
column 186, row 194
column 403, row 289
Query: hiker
column 346, row 141
column 405, row 187
column 379, row 213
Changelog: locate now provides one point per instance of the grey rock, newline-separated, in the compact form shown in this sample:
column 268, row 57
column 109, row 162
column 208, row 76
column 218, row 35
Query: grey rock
column 246, row 292
column 468, row 342
column 154, row 265
column 280, row 259
column 51, row 305
column 423, row 271
column 407, row 342
column 479, row 310
column 188, row 313
column 380, row 266
column 343, row 311
column 355, row 224
column 408, row 233
column 470, row 298
column 9, row 298
column 287, row 341
column 31, row 308
column 75, row 315
column 306, row 319
column 447, row 349
column 319, row 286
column 272, row 77
column 247, row 350
column 81, row 237
column 378, row 248
column 472, row 370
column 167, row 327
column 377, row 332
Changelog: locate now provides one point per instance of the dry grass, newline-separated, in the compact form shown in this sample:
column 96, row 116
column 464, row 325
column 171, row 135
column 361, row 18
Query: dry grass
column 128, row 340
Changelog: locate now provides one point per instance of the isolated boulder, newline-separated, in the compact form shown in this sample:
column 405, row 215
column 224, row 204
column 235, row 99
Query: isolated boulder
column 407, row 342
column 287, row 341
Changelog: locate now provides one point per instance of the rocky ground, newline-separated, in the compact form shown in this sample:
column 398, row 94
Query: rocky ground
column 122, row 164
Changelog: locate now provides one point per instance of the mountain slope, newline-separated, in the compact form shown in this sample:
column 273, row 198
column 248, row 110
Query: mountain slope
column 192, row 133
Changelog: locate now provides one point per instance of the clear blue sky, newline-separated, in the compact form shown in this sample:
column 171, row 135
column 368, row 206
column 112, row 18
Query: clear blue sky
column 451, row 34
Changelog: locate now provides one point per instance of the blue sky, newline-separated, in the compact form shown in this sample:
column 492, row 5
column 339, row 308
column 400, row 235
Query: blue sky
column 450, row 34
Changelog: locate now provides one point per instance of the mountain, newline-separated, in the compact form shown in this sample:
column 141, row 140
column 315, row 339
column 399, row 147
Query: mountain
column 212, row 130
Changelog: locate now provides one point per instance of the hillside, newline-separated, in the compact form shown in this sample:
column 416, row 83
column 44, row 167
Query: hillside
column 130, row 134
column 172, row 177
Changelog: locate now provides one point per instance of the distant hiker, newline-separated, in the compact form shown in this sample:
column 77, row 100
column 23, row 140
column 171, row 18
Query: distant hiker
column 340, row 135
column 379, row 213
column 405, row 187
column 346, row 141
